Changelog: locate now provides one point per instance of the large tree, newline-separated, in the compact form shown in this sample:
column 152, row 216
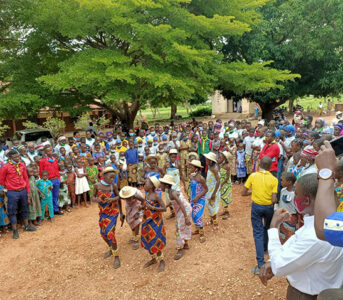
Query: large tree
column 122, row 54
column 304, row 36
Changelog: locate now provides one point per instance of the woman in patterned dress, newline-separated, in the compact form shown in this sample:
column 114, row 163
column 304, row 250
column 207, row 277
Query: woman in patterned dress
column 198, row 191
column 35, row 210
column 107, row 196
column 4, row 219
column 153, row 236
column 232, row 162
column 225, row 183
column 152, row 169
column 213, row 184
column 183, row 212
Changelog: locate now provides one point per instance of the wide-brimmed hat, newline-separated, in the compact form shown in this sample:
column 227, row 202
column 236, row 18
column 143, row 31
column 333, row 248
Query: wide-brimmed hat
column 227, row 155
column 193, row 154
column 108, row 170
column 196, row 163
column 127, row 192
column 150, row 157
column 155, row 181
column 211, row 156
column 173, row 151
column 168, row 179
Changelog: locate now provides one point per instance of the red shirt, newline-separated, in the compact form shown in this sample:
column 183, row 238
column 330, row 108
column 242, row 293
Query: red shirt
column 273, row 151
column 51, row 167
column 12, row 180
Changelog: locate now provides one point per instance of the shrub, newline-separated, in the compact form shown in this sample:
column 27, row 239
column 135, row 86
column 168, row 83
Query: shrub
column 201, row 112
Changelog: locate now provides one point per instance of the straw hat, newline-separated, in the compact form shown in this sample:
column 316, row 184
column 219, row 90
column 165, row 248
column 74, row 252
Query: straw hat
column 173, row 151
column 108, row 170
column 150, row 157
column 211, row 156
column 155, row 181
column 168, row 180
column 196, row 163
column 193, row 154
column 227, row 155
column 127, row 192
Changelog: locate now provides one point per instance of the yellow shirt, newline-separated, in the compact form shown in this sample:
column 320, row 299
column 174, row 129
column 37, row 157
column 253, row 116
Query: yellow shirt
column 121, row 149
column 263, row 185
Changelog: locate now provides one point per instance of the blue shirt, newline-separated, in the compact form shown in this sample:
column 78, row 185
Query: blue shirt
column 131, row 156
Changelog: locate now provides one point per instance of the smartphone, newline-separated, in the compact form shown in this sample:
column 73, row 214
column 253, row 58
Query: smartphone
column 337, row 145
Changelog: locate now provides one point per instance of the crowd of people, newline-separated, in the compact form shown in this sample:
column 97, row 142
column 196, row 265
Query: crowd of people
column 280, row 164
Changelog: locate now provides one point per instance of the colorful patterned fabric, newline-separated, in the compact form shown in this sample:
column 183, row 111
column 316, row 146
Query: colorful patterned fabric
column 63, row 197
column 248, row 163
column 287, row 229
column 132, row 170
column 175, row 173
column 35, row 209
column 226, row 188
column 339, row 194
column 93, row 173
column 43, row 186
column 140, row 167
column 232, row 160
column 4, row 220
column 199, row 206
column 108, row 213
column 211, row 184
column 183, row 232
column 153, row 236
column 133, row 212
column 241, row 168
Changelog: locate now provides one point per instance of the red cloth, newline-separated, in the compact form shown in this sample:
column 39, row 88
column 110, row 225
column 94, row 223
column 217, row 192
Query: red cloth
column 51, row 167
column 11, row 180
column 273, row 151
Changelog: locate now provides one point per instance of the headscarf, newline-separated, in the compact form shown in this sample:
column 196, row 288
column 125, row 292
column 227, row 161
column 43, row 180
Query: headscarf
column 309, row 153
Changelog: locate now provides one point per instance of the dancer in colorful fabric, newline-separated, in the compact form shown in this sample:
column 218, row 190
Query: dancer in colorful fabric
column 173, row 168
column 107, row 196
column 191, row 156
column 225, row 183
column 183, row 212
column 45, row 186
column 153, row 237
column 134, row 212
column 213, row 182
column 92, row 175
column 198, row 191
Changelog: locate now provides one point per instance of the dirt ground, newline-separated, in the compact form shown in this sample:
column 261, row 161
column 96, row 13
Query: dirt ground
column 64, row 260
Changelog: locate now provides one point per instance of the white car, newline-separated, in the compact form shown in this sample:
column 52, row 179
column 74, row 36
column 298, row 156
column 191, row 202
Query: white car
column 34, row 135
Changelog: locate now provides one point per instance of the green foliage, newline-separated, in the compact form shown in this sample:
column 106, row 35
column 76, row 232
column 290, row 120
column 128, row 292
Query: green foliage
column 124, row 54
column 3, row 128
column 82, row 121
column 201, row 112
column 101, row 123
column 55, row 125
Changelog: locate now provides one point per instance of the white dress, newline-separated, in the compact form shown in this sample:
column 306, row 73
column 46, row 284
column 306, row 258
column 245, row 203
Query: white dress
column 81, row 184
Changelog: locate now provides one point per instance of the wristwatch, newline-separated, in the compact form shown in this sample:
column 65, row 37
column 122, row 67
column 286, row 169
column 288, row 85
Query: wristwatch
column 326, row 174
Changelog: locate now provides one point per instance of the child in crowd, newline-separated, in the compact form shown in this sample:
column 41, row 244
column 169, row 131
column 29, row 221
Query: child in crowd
column 71, row 178
column 140, row 167
column 288, row 227
column 240, row 163
column 225, row 183
column 45, row 187
column 123, row 174
column 92, row 175
column 35, row 209
column 232, row 149
column 81, row 183
column 63, row 198
column 4, row 219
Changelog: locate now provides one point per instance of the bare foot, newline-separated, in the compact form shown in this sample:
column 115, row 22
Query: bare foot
column 178, row 254
column 116, row 262
column 161, row 266
column 108, row 254
column 150, row 263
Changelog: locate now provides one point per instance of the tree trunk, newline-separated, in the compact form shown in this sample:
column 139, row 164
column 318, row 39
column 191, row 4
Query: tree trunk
column 173, row 111
column 290, row 105
column 267, row 110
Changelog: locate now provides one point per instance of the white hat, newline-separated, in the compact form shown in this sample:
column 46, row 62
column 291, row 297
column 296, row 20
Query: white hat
column 168, row 179
column 193, row 154
column 211, row 156
column 338, row 113
column 173, row 151
column 127, row 192
column 227, row 155
column 155, row 181
column 108, row 170
column 196, row 163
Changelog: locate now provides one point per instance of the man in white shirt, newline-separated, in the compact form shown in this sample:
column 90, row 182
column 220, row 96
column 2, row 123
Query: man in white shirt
column 89, row 140
column 62, row 142
column 309, row 264
column 232, row 132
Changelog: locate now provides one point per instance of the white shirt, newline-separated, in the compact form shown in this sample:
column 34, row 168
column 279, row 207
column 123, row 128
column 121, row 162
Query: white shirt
column 248, row 142
column 233, row 135
column 259, row 142
column 90, row 142
column 310, row 170
column 288, row 141
column 66, row 147
column 310, row 265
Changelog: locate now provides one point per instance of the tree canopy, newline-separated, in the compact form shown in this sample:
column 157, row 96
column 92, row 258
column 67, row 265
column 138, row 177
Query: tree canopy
column 302, row 36
column 121, row 54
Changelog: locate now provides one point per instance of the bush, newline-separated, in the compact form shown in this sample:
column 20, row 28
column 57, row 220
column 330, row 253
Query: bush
column 55, row 125
column 201, row 112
